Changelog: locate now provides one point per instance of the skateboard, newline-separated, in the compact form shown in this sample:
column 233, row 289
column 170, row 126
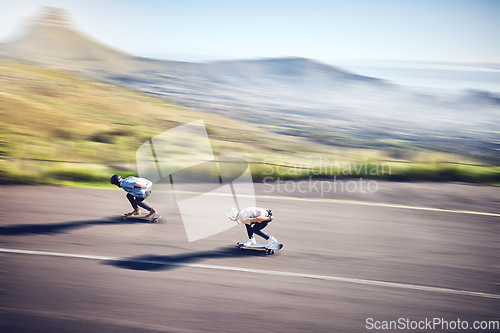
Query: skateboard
column 153, row 218
column 261, row 246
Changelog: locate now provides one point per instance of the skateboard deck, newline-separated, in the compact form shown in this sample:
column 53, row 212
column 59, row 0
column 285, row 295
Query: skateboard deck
column 153, row 218
column 261, row 246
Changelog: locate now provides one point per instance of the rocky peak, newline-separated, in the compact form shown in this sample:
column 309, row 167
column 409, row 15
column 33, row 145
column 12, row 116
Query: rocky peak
column 54, row 17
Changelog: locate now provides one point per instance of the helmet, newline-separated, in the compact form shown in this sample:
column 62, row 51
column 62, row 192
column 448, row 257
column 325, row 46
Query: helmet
column 232, row 213
column 115, row 179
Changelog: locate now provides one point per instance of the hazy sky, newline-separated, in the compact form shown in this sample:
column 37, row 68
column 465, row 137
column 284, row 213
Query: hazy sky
column 330, row 31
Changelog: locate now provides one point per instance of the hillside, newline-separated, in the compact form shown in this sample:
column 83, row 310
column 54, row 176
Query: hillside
column 288, row 96
column 59, row 124
column 60, row 128
column 292, row 111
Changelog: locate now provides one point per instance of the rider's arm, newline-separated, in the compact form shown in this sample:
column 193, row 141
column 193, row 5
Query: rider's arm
column 142, row 185
column 259, row 219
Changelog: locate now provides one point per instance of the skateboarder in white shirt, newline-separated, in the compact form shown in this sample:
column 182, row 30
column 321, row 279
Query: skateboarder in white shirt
column 255, row 219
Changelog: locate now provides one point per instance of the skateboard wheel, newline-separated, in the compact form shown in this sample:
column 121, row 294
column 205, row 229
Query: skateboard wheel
column 271, row 252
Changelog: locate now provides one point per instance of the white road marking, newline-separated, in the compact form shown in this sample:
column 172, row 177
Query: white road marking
column 380, row 204
column 262, row 271
column 364, row 203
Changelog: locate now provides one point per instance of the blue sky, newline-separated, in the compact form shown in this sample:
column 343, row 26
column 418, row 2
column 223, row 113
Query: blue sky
column 435, row 30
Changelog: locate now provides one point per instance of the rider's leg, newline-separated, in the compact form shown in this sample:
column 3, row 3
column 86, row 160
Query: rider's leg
column 132, row 201
column 249, row 230
column 140, row 202
column 257, row 229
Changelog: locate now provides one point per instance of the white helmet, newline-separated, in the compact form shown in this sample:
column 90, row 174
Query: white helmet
column 232, row 213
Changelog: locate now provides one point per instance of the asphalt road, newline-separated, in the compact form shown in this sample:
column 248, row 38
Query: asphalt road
column 347, row 257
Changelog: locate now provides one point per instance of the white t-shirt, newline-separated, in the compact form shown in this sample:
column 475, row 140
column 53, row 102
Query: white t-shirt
column 251, row 213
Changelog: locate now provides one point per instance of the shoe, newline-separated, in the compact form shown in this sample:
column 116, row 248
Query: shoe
column 135, row 212
column 271, row 241
column 250, row 242
column 151, row 213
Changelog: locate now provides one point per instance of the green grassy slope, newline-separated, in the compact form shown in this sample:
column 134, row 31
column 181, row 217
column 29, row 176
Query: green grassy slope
column 59, row 128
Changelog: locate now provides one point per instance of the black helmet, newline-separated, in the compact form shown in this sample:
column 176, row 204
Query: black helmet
column 115, row 179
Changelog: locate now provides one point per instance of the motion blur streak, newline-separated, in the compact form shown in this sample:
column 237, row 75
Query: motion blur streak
column 376, row 204
column 261, row 271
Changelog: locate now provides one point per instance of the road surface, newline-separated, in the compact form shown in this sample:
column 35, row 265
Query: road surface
column 408, row 250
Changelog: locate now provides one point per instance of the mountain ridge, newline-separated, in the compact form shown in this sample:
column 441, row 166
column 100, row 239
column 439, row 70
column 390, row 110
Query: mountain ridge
column 52, row 39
